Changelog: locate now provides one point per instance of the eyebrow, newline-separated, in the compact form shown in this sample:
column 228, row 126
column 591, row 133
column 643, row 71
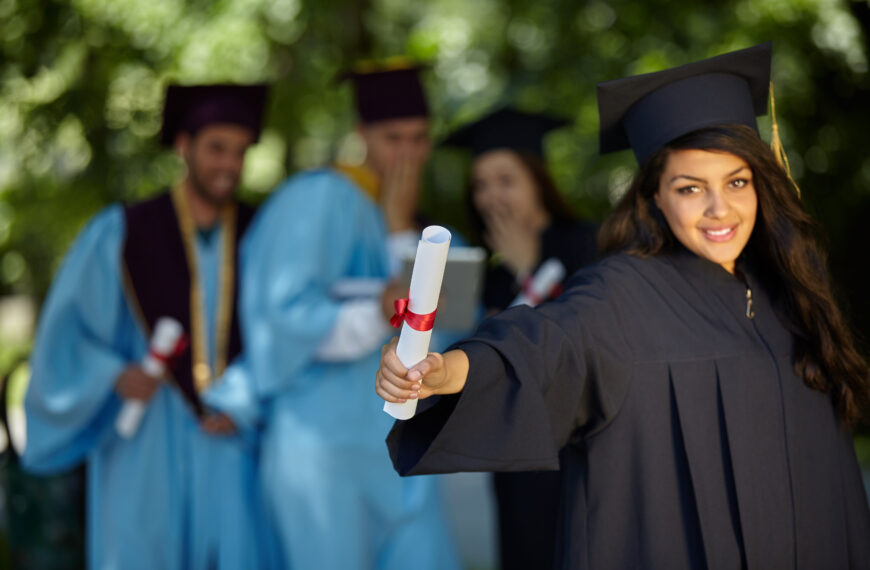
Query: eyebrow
column 729, row 175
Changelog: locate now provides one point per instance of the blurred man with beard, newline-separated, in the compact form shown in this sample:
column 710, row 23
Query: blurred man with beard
column 180, row 492
column 315, row 306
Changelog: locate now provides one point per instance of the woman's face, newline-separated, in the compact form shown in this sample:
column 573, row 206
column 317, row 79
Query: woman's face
column 708, row 199
column 501, row 184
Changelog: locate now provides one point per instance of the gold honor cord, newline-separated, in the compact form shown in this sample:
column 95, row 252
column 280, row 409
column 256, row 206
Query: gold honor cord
column 776, row 143
column 202, row 371
column 363, row 177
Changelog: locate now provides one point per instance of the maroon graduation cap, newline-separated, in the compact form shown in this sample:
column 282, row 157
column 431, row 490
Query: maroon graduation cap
column 189, row 108
column 388, row 90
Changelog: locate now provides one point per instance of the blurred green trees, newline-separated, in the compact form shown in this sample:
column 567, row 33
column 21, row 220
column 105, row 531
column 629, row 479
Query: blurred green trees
column 82, row 82
column 81, row 87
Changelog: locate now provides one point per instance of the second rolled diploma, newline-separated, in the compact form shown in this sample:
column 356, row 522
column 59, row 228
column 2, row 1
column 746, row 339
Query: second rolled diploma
column 541, row 286
column 418, row 316
column 164, row 343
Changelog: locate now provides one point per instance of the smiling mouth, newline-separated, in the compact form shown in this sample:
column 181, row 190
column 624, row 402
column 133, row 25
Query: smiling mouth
column 225, row 183
column 720, row 234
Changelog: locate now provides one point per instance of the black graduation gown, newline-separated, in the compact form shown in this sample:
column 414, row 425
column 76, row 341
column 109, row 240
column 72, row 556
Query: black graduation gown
column 691, row 442
column 573, row 243
column 528, row 502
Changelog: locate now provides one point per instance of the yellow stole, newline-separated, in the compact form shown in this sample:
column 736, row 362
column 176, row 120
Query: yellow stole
column 203, row 375
column 364, row 177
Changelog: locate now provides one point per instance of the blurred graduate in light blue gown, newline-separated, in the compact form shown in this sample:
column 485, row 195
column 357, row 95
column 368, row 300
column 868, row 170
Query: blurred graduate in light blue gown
column 316, row 306
column 181, row 492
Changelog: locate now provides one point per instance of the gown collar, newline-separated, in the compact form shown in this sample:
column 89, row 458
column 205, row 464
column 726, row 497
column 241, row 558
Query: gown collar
column 697, row 268
column 750, row 275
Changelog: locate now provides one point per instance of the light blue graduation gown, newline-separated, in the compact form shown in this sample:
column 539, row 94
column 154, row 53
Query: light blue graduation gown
column 330, row 487
column 171, row 497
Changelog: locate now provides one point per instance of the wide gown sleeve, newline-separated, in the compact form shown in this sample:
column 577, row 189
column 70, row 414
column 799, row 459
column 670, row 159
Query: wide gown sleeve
column 71, row 402
column 537, row 378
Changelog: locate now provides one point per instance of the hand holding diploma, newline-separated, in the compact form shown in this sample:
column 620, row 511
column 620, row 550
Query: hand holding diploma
column 436, row 374
column 218, row 424
column 134, row 384
column 417, row 313
column 137, row 384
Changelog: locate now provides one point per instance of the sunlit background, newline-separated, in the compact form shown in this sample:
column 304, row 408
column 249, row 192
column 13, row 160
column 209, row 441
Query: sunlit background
column 82, row 83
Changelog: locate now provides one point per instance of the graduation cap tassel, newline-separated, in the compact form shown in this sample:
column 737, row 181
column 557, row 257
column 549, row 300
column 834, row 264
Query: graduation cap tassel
column 776, row 144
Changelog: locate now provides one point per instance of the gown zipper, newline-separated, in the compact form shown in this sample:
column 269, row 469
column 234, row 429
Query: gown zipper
column 750, row 312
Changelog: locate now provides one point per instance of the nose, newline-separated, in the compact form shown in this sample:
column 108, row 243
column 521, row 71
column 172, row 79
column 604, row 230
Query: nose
column 717, row 204
column 485, row 198
column 233, row 162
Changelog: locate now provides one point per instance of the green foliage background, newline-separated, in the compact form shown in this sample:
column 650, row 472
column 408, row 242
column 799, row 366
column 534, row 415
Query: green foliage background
column 82, row 81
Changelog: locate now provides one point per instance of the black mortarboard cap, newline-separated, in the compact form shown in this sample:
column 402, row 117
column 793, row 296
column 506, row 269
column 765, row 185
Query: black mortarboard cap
column 189, row 108
column 645, row 112
column 505, row 128
column 388, row 90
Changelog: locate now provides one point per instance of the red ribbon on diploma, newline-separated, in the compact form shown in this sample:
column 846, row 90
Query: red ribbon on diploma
column 177, row 351
column 529, row 292
column 417, row 322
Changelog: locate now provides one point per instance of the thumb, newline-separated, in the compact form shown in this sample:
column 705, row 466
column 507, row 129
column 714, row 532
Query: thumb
column 422, row 368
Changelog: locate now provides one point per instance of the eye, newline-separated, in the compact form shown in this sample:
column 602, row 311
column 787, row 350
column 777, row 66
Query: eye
column 692, row 189
column 739, row 183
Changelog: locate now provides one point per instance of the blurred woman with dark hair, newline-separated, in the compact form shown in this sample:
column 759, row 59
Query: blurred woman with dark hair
column 535, row 242
column 701, row 378
column 516, row 210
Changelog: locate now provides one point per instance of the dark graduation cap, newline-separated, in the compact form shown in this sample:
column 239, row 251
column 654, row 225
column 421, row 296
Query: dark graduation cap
column 645, row 112
column 189, row 108
column 389, row 89
column 506, row 128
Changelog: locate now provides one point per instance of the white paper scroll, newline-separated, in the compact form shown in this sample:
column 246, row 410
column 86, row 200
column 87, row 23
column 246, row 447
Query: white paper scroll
column 548, row 275
column 423, row 299
column 167, row 333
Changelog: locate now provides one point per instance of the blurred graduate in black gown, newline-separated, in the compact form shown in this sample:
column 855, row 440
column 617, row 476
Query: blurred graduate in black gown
column 519, row 215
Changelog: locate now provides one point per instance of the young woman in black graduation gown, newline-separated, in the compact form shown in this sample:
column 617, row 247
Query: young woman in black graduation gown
column 519, row 215
column 701, row 377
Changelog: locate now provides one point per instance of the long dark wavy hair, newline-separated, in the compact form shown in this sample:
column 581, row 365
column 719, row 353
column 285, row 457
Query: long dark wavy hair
column 548, row 194
column 784, row 241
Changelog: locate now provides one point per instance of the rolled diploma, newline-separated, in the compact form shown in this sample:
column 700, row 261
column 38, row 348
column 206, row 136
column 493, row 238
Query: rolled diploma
column 548, row 275
column 165, row 338
column 422, row 299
